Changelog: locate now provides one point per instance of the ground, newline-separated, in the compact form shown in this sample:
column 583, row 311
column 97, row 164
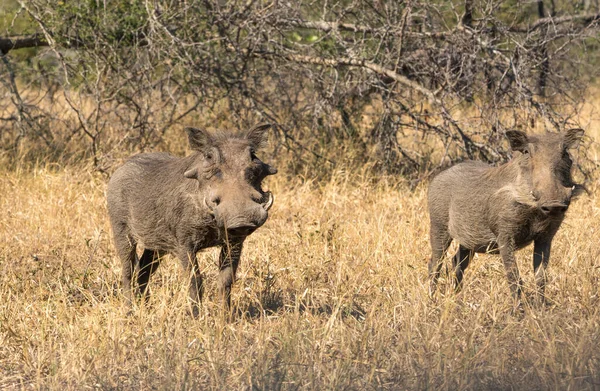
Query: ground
column 332, row 294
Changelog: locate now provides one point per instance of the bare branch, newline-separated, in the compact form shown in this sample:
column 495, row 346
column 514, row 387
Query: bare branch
column 327, row 26
column 555, row 20
column 341, row 61
column 19, row 42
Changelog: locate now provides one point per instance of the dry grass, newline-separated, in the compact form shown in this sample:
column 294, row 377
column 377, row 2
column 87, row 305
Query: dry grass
column 331, row 295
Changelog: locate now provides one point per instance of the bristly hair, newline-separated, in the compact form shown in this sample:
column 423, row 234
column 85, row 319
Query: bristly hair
column 199, row 138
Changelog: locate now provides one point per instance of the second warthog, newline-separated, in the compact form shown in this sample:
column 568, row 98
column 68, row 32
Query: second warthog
column 505, row 208
column 166, row 204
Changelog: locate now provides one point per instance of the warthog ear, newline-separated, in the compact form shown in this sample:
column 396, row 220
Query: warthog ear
column 192, row 173
column 518, row 140
column 199, row 139
column 257, row 135
column 572, row 138
column 271, row 170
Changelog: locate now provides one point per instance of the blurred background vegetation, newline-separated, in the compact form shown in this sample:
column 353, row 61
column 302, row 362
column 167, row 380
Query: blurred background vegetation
column 403, row 87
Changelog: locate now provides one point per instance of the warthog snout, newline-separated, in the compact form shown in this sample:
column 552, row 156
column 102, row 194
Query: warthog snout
column 239, row 216
column 554, row 208
column 266, row 201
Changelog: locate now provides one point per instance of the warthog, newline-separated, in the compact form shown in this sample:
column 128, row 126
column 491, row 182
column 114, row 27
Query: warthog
column 174, row 205
column 502, row 209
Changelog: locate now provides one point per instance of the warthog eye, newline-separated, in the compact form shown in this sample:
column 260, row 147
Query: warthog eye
column 213, row 172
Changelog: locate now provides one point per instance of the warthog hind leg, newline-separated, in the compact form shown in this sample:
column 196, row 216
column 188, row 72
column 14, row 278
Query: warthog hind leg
column 460, row 262
column 148, row 265
column 126, row 251
column 440, row 241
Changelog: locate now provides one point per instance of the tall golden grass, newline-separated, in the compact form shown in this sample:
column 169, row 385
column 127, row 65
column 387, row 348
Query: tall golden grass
column 331, row 294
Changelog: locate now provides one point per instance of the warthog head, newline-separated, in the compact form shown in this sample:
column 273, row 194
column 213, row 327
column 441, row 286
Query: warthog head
column 230, row 175
column 545, row 169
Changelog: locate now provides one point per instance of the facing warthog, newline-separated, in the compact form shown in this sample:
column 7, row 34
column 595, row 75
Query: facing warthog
column 174, row 205
column 502, row 209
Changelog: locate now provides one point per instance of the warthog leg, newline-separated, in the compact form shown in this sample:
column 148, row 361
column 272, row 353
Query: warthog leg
column 541, row 256
column 440, row 241
column 126, row 251
column 148, row 265
column 190, row 264
column 507, row 252
column 461, row 261
column 229, row 260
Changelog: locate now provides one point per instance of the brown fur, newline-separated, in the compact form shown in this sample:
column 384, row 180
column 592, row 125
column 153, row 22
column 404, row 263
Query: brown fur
column 502, row 209
column 165, row 204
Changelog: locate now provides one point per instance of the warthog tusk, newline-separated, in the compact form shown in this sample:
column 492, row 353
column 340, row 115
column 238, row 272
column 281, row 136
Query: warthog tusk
column 207, row 206
column 267, row 205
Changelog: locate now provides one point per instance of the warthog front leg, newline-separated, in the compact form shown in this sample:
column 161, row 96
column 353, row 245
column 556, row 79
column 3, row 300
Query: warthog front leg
column 541, row 256
column 507, row 252
column 229, row 260
column 461, row 261
column 190, row 265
